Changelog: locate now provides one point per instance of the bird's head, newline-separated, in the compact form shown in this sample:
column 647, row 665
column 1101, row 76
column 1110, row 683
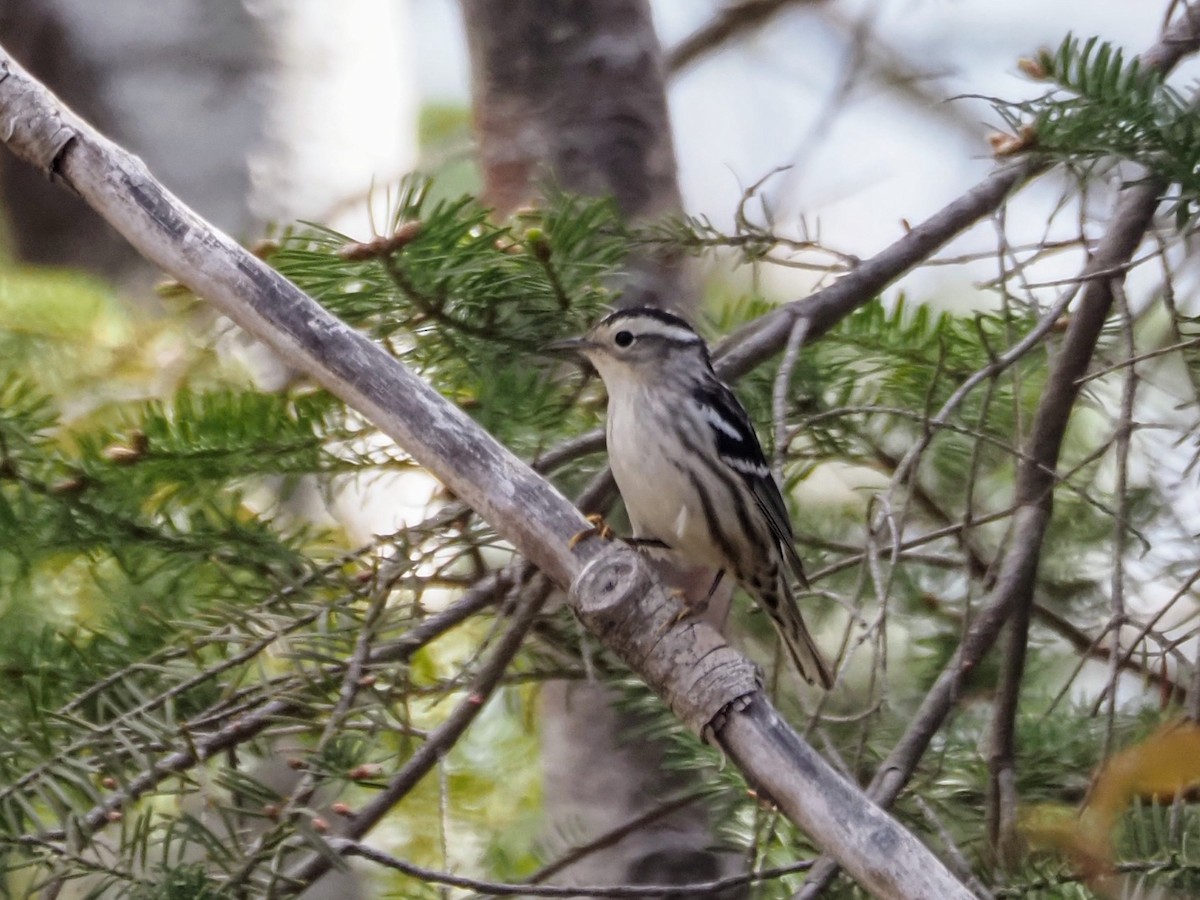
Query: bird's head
column 637, row 344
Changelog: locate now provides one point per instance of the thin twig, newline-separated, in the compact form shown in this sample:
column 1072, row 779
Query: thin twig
column 979, row 567
column 246, row 727
column 731, row 22
column 779, row 392
column 613, row 836
column 119, row 721
column 1193, row 705
column 766, row 336
column 501, row 889
column 302, row 792
column 1001, row 790
column 586, row 444
column 958, row 861
column 1125, row 657
column 1031, row 340
column 152, row 663
column 1090, row 648
column 441, row 738
column 1124, row 434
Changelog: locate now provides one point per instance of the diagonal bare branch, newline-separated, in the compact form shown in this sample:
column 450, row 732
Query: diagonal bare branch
column 767, row 336
column 733, row 21
column 763, row 338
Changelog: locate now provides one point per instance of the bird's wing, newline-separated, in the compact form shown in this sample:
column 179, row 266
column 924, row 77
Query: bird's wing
column 770, row 501
column 739, row 448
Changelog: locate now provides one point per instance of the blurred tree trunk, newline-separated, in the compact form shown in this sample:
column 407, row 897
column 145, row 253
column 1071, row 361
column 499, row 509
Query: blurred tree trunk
column 250, row 111
column 176, row 87
column 571, row 93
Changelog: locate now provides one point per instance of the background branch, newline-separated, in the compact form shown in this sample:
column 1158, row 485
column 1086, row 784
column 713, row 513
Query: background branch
column 766, row 336
column 1012, row 598
column 732, row 22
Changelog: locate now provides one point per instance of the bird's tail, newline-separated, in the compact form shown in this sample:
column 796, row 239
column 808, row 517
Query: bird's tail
column 805, row 654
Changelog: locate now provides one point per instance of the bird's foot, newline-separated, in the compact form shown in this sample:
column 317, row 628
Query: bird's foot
column 686, row 610
column 647, row 543
column 682, row 613
column 599, row 528
column 688, row 607
column 700, row 607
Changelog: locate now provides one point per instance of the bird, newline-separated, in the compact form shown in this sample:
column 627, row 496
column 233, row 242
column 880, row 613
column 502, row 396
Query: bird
column 690, row 466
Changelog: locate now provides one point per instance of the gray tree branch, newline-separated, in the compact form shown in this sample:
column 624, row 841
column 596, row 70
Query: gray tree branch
column 729, row 23
column 524, row 509
column 1035, row 483
column 767, row 336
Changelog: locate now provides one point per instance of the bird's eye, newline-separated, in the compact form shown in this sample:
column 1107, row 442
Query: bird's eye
column 623, row 338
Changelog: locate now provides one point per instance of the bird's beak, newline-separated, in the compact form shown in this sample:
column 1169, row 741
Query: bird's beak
column 569, row 345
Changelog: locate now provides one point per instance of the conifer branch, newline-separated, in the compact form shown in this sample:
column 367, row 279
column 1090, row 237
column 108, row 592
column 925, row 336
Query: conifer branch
column 767, row 336
column 239, row 727
column 979, row 565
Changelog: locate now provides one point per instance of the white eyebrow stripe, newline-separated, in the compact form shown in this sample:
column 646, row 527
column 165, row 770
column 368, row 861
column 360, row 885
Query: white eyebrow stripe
column 672, row 333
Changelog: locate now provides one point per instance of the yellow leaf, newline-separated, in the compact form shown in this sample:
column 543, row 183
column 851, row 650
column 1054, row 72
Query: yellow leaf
column 1158, row 768
column 1163, row 765
column 1065, row 831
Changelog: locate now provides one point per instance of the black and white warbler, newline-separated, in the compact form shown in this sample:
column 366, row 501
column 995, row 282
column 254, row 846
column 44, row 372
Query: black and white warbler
column 690, row 467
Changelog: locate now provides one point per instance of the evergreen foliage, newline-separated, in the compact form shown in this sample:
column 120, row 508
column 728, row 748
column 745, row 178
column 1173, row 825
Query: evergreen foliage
column 1110, row 107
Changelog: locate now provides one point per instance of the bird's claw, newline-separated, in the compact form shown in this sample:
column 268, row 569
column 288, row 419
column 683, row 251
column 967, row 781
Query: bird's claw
column 686, row 611
column 599, row 528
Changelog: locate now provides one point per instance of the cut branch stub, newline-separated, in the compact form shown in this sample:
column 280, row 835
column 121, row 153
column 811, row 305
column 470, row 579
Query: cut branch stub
column 34, row 133
column 620, row 601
